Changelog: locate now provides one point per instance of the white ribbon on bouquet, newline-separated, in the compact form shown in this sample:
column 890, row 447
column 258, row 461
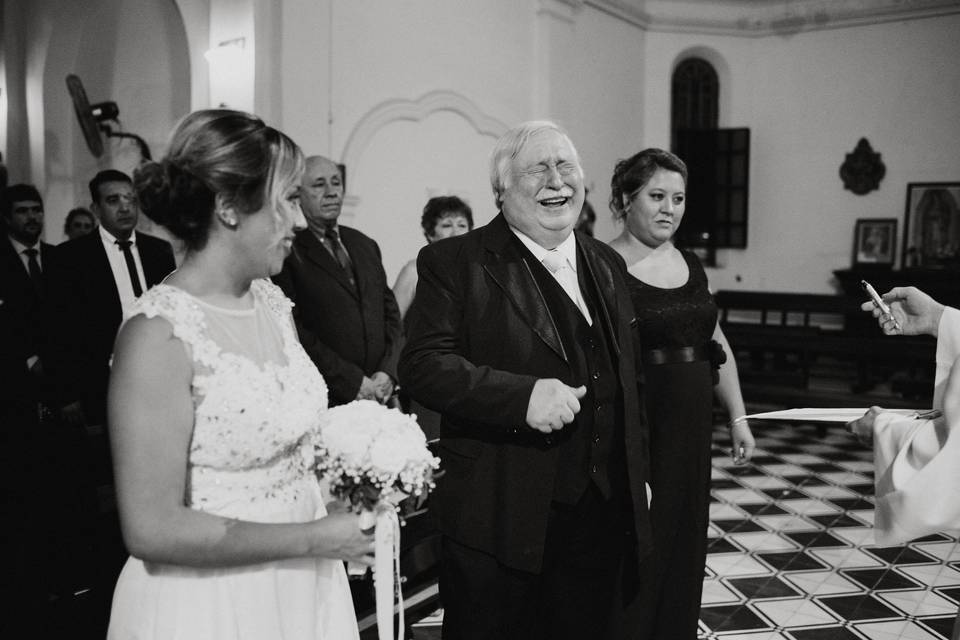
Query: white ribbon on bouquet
column 386, row 568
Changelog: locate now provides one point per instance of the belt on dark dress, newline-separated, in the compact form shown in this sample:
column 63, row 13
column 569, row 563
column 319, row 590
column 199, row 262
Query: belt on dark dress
column 674, row 355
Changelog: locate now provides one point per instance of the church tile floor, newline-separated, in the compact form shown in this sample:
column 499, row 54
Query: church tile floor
column 791, row 554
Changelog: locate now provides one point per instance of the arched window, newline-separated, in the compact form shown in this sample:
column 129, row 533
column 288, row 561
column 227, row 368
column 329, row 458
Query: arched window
column 696, row 96
column 717, row 161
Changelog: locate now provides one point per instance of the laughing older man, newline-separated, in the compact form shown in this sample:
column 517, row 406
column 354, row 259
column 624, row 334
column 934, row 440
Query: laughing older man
column 520, row 336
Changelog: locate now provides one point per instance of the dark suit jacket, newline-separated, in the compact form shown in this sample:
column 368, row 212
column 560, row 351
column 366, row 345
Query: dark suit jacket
column 479, row 336
column 348, row 333
column 85, row 315
column 21, row 322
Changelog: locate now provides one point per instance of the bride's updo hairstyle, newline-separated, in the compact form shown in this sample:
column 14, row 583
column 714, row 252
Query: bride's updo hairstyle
column 630, row 175
column 216, row 152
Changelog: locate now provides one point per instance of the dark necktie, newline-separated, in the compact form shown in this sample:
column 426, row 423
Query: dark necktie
column 339, row 252
column 33, row 266
column 131, row 267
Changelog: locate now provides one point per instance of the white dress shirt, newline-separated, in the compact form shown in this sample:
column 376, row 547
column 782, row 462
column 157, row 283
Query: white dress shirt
column 561, row 262
column 118, row 264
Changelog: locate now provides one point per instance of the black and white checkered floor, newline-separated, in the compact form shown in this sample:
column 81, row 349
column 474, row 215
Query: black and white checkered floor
column 791, row 554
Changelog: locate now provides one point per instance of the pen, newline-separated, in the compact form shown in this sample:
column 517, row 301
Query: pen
column 879, row 303
column 740, row 453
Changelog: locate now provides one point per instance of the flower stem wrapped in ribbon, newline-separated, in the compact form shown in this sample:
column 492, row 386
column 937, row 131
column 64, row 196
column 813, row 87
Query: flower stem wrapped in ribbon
column 373, row 457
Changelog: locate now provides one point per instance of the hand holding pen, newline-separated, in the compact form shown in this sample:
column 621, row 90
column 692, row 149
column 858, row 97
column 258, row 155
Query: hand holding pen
column 888, row 322
column 742, row 440
column 905, row 311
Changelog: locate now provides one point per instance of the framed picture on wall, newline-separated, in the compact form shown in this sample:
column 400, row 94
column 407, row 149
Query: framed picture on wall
column 874, row 242
column 931, row 225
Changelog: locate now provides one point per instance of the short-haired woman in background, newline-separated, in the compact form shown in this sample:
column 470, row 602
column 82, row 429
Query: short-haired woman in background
column 443, row 217
column 79, row 222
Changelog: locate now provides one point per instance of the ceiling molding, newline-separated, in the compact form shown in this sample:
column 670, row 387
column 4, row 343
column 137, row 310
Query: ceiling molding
column 564, row 10
column 760, row 18
column 626, row 11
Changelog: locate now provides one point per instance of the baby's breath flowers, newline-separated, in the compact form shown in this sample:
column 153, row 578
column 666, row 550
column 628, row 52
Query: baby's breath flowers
column 369, row 453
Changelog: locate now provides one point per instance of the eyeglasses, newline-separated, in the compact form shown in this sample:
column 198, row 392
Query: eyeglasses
column 564, row 169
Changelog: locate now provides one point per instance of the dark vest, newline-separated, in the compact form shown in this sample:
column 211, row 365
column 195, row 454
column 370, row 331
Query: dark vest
column 592, row 446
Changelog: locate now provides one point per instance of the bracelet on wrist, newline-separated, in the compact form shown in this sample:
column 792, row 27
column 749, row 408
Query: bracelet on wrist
column 736, row 421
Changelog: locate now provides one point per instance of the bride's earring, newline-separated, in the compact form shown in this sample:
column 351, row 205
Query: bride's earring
column 227, row 217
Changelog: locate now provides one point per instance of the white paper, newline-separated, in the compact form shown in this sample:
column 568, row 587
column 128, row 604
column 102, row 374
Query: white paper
column 830, row 414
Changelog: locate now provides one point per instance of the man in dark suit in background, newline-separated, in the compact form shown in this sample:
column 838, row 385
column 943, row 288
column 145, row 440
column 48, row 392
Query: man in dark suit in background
column 520, row 336
column 24, row 259
column 346, row 315
column 98, row 276
column 44, row 483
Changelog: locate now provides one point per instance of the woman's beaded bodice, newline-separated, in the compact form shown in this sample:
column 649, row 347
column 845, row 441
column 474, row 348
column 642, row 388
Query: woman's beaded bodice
column 257, row 400
column 684, row 316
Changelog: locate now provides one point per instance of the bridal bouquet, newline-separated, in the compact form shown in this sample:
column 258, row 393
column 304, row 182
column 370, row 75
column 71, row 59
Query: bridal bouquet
column 373, row 457
column 371, row 454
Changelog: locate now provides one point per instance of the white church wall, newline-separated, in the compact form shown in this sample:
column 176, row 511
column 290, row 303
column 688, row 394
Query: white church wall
column 413, row 95
column 808, row 98
column 132, row 52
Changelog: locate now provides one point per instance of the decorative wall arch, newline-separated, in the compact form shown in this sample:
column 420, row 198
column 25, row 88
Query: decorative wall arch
column 65, row 165
column 196, row 23
column 416, row 111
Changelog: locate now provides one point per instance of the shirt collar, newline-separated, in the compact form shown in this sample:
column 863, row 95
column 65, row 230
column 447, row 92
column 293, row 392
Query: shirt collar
column 110, row 240
column 567, row 248
column 319, row 232
column 19, row 247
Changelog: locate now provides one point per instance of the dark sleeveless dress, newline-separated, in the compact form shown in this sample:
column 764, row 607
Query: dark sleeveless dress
column 679, row 402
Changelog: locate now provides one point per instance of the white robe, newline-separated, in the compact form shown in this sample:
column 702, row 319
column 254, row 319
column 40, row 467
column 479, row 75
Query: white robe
column 917, row 462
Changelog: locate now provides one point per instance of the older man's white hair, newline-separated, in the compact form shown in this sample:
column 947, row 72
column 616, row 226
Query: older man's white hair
column 509, row 146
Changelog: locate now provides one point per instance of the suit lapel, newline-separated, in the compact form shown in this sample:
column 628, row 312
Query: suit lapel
column 46, row 263
column 506, row 264
column 14, row 265
column 311, row 250
column 46, row 250
column 149, row 265
column 599, row 274
column 102, row 274
column 357, row 253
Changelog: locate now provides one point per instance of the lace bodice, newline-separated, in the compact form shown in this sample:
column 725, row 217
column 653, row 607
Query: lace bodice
column 257, row 399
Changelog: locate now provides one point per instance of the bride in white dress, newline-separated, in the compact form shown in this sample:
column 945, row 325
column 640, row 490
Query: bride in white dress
column 212, row 406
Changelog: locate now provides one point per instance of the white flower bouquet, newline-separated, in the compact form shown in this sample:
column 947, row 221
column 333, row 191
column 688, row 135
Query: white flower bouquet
column 373, row 457
column 372, row 454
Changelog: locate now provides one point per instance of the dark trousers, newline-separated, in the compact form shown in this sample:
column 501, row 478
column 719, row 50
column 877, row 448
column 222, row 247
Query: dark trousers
column 571, row 597
column 50, row 516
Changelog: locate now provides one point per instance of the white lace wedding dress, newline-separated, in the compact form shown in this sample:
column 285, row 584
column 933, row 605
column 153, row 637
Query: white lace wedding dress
column 257, row 398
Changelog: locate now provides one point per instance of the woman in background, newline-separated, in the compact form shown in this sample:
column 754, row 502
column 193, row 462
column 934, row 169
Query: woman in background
column 212, row 407
column 443, row 217
column 683, row 347
column 79, row 222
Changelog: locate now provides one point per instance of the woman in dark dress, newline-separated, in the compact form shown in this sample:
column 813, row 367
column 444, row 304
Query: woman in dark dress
column 685, row 364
